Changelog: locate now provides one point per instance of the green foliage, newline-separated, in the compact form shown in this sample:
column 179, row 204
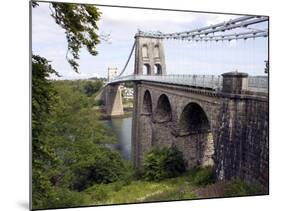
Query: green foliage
column 140, row 191
column 43, row 95
column 63, row 197
column 241, row 188
column 80, row 24
column 163, row 163
column 201, row 176
column 74, row 140
column 174, row 163
column 92, row 87
column 81, row 87
column 107, row 167
column 98, row 103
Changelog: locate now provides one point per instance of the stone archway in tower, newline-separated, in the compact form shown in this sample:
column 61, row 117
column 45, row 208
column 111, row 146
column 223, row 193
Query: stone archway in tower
column 146, row 70
column 157, row 69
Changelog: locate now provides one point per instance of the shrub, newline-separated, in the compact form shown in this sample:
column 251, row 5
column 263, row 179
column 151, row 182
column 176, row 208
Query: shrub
column 240, row 188
column 107, row 167
column 201, row 176
column 163, row 163
column 63, row 197
column 174, row 163
column 99, row 192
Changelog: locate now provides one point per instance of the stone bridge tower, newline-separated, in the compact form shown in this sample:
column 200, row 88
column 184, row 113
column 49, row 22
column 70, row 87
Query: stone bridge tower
column 149, row 56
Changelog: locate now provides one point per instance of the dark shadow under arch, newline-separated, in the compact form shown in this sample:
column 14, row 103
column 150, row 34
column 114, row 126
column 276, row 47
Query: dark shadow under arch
column 195, row 128
column 163, row 112
column 147, row 103
column 194, row 119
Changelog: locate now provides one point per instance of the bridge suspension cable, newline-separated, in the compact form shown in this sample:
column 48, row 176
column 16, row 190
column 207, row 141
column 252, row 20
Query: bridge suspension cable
column 128, row 60
column 203, row 33
column 229, row 37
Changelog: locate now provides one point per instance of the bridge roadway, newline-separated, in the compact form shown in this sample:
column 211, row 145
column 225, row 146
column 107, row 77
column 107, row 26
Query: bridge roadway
column 211, row 82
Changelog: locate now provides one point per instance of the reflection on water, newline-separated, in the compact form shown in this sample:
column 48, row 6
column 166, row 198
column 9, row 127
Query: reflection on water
column 122, row 128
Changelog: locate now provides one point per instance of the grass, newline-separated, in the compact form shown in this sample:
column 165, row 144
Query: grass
column 178, row 188
column 240, row 188
column 140, row 191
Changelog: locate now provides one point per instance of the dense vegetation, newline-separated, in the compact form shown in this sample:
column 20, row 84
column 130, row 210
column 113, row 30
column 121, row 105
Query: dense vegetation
column 68, row 141
column 68, row 152
column 162, row 163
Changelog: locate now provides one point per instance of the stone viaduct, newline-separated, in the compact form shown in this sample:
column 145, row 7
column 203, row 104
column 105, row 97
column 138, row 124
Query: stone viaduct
column 225, row 128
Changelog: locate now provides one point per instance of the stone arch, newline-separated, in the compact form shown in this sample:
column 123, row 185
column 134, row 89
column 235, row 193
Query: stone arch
column 157, row 69
column 163, row 111
column 146, row 70
column 194, row 119
column 156, row 51
column 147, row 103
column 195, row 128
column 144, row 51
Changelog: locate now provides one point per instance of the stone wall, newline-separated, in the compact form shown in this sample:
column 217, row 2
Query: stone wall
column 236, row 142
column 242, row 144
column 255, row 150
column 151, row 131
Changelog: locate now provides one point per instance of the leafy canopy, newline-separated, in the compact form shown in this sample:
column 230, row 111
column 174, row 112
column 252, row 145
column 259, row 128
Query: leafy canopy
column 43, row 97
column 80, row 24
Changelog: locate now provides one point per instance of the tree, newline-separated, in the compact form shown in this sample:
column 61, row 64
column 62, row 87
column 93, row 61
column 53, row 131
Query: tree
column 67, row 142
column 42, row 100
column 80, row 24
column 92, row 87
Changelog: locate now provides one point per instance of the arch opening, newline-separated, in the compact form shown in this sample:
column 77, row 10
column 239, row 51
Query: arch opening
column 147, row 103
column 157, row 69
column 156, row 51
column 194, row 120
column 163, row 112
column 195, row 129
column 146, row 69
column 145, row 51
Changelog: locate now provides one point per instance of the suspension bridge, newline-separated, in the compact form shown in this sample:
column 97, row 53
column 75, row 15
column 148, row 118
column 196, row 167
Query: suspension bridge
column 219, row 120
column 213, row 33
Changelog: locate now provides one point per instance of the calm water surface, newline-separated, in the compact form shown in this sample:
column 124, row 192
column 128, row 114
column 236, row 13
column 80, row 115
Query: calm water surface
column 122, row 128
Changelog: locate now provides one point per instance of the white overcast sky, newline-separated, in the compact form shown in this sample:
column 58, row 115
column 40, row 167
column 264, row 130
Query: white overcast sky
column 182, row 57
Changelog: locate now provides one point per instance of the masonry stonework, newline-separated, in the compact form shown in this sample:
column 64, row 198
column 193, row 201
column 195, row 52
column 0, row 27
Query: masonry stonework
column 230, row 133
column 113, row 100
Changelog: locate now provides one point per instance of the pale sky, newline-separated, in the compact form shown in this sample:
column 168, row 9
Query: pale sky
column 182, row 57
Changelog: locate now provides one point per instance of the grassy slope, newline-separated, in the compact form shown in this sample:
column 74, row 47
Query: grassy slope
column 141, row 191
column 195, row 184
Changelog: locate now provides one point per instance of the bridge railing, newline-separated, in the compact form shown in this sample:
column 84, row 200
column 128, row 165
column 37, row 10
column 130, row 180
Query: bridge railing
column 214, row 82
column 199, row 81
column 258, row 83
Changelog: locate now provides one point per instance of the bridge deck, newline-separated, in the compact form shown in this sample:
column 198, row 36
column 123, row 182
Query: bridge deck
column 255, row 83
